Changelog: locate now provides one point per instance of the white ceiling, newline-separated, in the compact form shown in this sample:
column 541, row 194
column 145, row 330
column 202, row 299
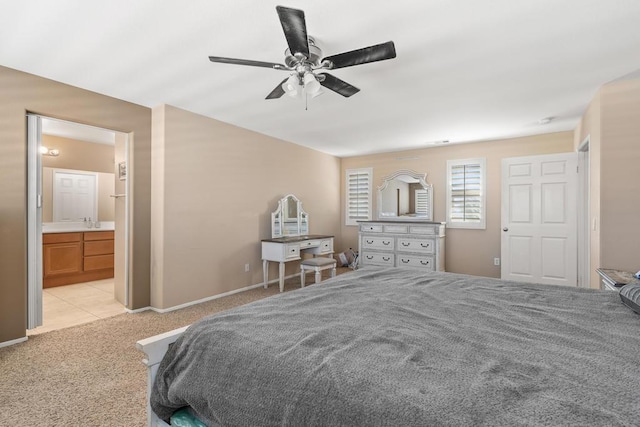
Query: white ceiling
column 466, row 70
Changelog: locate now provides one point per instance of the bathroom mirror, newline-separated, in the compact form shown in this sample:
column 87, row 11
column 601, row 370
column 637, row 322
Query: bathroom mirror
column 69, row 195
column 405, row 195
column 289, row 219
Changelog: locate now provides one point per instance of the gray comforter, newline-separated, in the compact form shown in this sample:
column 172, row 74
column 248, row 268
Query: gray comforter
column 398, row 347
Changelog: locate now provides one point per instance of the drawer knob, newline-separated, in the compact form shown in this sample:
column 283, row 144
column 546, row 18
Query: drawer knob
column 406, row 261
column 386, row 258
column 406, row 244
column 424, row 262
column 369, row 242
column 424, row 246
column 385, row 243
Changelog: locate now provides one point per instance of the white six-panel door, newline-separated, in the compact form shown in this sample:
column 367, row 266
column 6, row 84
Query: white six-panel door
column 539, row 219
column 74, row 196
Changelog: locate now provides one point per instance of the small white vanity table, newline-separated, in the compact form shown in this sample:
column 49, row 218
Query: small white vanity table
column 290, row 238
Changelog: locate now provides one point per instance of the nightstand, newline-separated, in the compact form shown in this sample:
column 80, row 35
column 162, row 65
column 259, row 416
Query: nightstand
column 613, row 280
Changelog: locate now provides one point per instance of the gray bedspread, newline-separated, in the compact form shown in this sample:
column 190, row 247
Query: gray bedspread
column 404, row 347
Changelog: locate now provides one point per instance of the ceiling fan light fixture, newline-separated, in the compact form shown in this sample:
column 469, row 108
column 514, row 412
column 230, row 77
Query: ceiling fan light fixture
column 316, row 94
column 292, row 86
column 311, row 84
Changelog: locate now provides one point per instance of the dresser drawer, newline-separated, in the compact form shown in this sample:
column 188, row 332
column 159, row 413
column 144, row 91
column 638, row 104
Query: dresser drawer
column 371, row 228
column 98, row 247
column 98, row 235
column 48, row 238
column 326, row 246
column 98, row 262
column 394, row 228
column 378, row 242
column 425, row 262
column 423, row 229
column 373, row 258
column 309, row 244
column 292, row 251
column 416, row 245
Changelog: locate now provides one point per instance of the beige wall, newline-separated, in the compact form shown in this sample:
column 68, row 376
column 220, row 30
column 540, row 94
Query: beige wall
column 214, row 188
column 612, row 124
column 467, row 251
column 589, row 127
column 21, row 93
column 79, row 155
column 620, row 176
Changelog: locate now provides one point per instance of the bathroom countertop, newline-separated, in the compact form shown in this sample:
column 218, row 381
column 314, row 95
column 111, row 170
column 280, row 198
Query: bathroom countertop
column 71, row 227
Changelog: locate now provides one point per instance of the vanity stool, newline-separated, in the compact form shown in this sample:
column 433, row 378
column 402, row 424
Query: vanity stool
column 318, row 265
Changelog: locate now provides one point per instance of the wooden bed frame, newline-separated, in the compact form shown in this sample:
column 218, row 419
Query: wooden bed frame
column 154, row 348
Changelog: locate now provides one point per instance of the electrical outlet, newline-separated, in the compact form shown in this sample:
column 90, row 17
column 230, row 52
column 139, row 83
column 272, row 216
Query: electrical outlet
column 246, row 268
column 496, row 261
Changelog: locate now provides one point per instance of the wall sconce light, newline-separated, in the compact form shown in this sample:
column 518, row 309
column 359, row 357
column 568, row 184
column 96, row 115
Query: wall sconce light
column 53, row 152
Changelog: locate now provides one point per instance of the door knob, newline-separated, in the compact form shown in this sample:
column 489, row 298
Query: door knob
column 505, row 229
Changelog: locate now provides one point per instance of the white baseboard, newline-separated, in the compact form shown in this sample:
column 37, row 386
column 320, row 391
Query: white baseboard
column 211, row 298
column 12, row 342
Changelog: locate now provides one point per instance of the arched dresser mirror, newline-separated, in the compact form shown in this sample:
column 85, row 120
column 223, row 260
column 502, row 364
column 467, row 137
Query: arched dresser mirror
column 405, row 195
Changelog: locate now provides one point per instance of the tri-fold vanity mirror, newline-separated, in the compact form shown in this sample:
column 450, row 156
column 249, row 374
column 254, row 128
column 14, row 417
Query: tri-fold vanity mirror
column 405, row 195
column 289, row 219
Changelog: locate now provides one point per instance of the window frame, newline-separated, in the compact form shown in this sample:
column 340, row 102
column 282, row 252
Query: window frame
column 349, row 221
column 482, row 223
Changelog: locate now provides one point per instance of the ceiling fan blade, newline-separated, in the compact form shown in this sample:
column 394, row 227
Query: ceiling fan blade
column 295, row 29
column 236, row 61
column 379, row 52
column 339, row 86
column 277, row 92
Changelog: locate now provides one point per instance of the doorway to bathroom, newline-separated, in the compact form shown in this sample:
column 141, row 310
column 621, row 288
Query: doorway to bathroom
column 78, row 223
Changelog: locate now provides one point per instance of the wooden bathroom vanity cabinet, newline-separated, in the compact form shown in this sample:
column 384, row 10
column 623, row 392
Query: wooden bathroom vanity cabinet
column 76, row 257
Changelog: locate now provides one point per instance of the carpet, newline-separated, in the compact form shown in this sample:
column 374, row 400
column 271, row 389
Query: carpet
column 92, row 374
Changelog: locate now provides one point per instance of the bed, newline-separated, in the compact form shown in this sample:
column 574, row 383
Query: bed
column 405, row 347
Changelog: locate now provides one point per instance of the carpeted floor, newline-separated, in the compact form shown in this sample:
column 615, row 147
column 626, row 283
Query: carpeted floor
column 92, row 375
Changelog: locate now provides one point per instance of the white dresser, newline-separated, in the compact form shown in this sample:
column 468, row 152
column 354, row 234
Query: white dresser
column 402, row 244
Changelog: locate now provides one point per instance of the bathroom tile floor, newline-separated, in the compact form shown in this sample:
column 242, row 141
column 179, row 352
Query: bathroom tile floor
column 71, row 305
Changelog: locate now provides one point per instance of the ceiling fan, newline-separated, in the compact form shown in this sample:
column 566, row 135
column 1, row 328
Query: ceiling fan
column 305, row 62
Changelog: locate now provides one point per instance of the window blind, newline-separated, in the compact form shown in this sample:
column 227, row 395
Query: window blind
column 358, row 196
column 466, row 193
column 422, row 202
